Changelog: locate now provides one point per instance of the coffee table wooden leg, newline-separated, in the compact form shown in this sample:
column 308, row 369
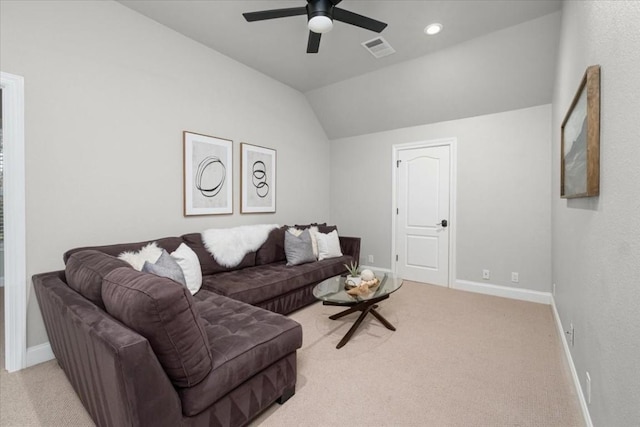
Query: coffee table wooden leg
column 365, row 307
column 354, row 327
column 346, row 312
column 382, row 320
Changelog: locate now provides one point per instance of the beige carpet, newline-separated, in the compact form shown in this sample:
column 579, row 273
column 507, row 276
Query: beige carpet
column 456, row 359
column 1, row 328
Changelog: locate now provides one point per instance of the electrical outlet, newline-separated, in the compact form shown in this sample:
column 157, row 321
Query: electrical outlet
column 486, row 274
column 515, row 277
column 572, row 334
column 588, row 387
column 370, row 258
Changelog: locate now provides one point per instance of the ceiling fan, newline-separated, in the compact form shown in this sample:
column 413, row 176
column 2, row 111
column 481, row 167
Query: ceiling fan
column 320, row 15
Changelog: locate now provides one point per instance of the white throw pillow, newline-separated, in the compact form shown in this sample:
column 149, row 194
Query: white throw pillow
column 150, row 253
column 313, row 231
column 328, row 245
column 190, row 265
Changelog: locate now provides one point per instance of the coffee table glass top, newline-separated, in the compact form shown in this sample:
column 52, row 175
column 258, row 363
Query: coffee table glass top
column 333, row 289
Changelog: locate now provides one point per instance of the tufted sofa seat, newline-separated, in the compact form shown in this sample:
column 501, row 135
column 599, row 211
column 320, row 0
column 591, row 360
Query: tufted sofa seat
column 268, row 285
column 244, row 340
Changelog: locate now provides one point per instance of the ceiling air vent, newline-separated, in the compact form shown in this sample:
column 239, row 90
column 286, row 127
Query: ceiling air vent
column 378, row 47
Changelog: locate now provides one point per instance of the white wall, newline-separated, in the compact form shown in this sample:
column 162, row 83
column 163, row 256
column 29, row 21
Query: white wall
column 596, row 241
column 503, row 191
column 502, row 71
column 108, row 94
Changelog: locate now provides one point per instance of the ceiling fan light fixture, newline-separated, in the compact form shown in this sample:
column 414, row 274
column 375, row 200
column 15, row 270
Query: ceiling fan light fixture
column 433, row 29
column 320, row 24
column 320, row 17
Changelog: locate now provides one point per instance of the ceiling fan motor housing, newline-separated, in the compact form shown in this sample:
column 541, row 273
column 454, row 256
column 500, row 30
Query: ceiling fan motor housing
column 320, row 8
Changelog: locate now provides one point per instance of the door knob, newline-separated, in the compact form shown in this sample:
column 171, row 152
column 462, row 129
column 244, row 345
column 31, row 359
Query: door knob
column 443, row 223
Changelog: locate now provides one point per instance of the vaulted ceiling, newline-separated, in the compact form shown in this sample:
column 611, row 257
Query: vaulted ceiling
column 491, row 56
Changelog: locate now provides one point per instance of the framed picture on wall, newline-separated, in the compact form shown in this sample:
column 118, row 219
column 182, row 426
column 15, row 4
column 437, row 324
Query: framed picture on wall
column 208, row 175
column 580, row 140
column 257, row 179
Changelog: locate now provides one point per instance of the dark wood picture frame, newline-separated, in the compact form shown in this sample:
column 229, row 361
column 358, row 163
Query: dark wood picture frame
column 580, row 140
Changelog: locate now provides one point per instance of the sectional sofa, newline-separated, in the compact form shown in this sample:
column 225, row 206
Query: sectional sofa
column 141, row 350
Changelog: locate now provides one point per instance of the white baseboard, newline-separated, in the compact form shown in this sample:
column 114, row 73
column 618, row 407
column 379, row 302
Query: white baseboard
column 39, row 353
column 382, row 270
column 572, row 366
column 503, row 291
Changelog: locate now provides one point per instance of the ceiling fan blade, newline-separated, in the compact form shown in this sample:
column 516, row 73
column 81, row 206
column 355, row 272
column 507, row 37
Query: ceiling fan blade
column 314, row 42
column 275, row 13
column 358, row 20
column 334, row 2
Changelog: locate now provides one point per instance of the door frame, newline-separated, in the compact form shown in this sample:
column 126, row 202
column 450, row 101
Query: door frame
column 452, row 143
column 15, row 283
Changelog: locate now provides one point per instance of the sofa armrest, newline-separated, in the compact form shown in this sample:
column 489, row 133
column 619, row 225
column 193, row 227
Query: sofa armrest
column 350, row 246
column 112, row 368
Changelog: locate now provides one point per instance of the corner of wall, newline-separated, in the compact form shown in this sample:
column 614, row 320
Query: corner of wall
column 39, row 354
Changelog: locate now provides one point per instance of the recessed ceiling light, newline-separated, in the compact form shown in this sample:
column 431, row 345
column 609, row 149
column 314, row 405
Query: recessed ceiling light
column 433, row 29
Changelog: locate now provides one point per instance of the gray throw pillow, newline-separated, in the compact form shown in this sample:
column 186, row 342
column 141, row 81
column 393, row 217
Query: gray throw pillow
column 298, row 249
column 165, row 267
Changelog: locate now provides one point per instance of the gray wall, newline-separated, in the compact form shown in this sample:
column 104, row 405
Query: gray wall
column 108, row 94
column 503, row 193
column 596, row 241
column 501, row 71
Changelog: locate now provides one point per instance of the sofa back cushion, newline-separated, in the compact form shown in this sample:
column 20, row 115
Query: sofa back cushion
column 322, row 228
column 86, row 269
column 208, row 262
column 326, row 229
column 163, row 312
column 170, row 244
column 313, row 224
column 273, row 249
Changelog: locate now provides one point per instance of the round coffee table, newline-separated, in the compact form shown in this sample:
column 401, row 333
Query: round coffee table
column 332, row 291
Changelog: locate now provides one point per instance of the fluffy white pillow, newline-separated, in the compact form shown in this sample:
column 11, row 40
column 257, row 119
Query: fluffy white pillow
column 150, row 253
column 190, row 265
column 328, row 245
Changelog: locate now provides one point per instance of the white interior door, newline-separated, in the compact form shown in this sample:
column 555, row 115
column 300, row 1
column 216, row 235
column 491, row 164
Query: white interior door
column 422, row 224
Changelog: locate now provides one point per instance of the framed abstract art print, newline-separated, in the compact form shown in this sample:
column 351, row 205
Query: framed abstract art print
column 257, row 179
column 208, row 175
